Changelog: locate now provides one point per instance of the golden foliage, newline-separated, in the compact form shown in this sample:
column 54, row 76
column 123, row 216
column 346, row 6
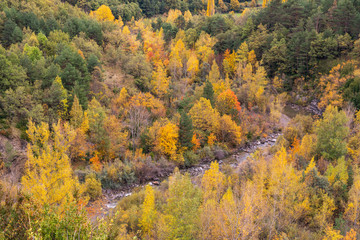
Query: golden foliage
column 103, row 13
column 149, row 213
column 160, row 81
column 48, row 175
column 210, row 8
column 203, row 116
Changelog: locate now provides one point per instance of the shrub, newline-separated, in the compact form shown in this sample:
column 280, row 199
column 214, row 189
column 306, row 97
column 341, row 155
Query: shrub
column 92, row 187
column 190, row 158
column 116, row 174
column 206, row 152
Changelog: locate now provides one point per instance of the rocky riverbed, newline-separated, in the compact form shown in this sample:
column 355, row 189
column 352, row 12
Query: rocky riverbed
column 234, row 159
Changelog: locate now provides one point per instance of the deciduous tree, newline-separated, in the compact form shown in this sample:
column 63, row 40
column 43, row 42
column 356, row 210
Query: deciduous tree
column 48, row 174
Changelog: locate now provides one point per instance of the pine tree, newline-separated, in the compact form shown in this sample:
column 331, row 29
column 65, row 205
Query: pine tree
column 58, row 98
column 208, row 92
column 185, row 131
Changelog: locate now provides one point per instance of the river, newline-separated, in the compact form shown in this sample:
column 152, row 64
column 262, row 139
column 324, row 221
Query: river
column 234, row 160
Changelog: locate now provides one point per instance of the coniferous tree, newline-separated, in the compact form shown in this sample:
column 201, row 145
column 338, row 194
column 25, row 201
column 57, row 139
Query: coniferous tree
column 209, row 92
column 185, row 130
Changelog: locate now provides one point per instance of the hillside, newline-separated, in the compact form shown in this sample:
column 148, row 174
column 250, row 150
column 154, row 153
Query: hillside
column 158, row 99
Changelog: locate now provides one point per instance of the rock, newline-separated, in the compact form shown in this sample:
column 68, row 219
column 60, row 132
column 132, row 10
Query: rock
column 273, row 140
column 127, row 194
column 219, row 154
column 156, row 183
column 313, row 107
column 111, row 205
column 220, row 162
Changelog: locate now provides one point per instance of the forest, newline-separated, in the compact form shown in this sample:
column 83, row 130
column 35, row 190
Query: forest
column 180, row 119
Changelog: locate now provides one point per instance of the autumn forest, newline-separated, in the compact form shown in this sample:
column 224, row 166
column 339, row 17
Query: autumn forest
column 180, row 119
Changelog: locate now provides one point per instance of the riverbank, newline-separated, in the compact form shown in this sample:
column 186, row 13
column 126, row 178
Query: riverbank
column 111, row 197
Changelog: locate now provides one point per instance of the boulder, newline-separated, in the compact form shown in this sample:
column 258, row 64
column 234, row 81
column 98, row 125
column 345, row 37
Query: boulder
column 219, row 154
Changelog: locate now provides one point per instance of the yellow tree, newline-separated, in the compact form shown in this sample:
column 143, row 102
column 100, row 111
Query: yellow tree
column 78, row 147
column 160, row 80
column 173, row 14
column 178, row 59
column 352, row 212
column 222, row 6
column 167, row 139
column 149, row 213
column 203, row 116
column 242, row 53
column 154, row 45
column 103, row 13
column 193, row 65
column 211, row 139
column 285, row 192
column 182, row 207
column 212, row 184
column 235, row 5
column 254, row 84
column 48, row 174
column 204, row 48
column 60, row 98
column 214, row 74
column 228, row 131
column 229, row 217
column 117, row 136
column 76, row 114
column 229, row 62
column 187, row 15
column 227, row 103
column 265, row 2
column 126, row 30
column 210, row 8
column 164, row 136
column 331, row 86
column 119, row 103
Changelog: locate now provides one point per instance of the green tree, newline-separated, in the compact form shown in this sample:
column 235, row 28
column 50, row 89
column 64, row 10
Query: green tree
column 74, row 74
column 11, row 33
column 185, row 130
column 331, row 132
column 92, row 62
column 182, row 207
column 208, row 92
column 57, row 99
column 11, row 74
